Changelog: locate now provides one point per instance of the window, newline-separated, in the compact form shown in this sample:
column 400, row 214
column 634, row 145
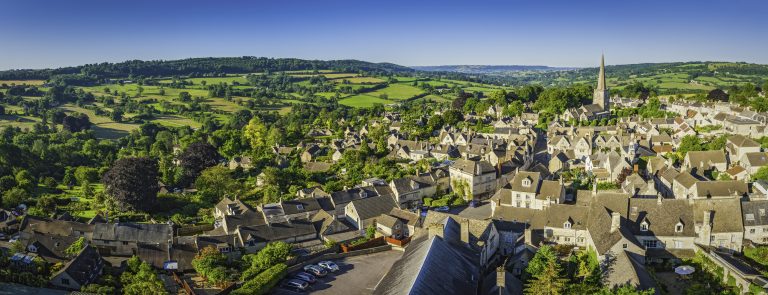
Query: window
column 678, row 244
column 644, row 226
column 749, row 217
column 678, row 227
column 624, row 245
column 567, row 239
column 650, row 243
column 64, row 281
column 125, row 243
column 527, row 182
column 567, row 225
column 518, row 204
column 580, row 240
column 751, row 230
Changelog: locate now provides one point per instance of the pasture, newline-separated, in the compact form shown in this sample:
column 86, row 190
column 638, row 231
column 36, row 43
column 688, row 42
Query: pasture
column 363, row 101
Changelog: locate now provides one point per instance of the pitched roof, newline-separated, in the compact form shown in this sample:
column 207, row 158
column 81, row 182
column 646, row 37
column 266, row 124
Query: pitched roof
column 755, row 213
column 661, row 217
column 373, row 206
column 276, row 231
column 473, row 167
column 387, row 220
column 134, row 232
column 724, row 212
column 84, row 267
column 722, row 188
column 739, row 140
column 431, row 265
column 533, row 177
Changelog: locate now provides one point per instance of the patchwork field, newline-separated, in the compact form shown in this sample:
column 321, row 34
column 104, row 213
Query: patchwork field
column 363, row 101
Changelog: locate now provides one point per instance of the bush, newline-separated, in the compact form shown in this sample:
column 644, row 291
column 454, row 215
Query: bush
column 262, row 283
column 427, row 202
column 440, row 202
column 458, row 201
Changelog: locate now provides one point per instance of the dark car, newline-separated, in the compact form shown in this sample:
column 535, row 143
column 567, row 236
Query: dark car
column 296, row 285
column 315, row 270
column 305, row 277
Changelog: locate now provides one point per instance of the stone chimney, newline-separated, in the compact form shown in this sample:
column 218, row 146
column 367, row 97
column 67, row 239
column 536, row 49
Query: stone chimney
column 465, row 231
column 594, row 188
column 501, row 277
column 528, row 236
column 436, row 229
column 707, row 221
column 615, row 221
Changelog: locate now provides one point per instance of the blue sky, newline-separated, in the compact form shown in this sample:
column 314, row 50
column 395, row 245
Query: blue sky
column 41, row 34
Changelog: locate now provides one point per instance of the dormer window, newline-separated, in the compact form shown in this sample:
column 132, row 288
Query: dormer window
column 527, row 182
column 644, row 226
column 679, row 227
column 567, row 225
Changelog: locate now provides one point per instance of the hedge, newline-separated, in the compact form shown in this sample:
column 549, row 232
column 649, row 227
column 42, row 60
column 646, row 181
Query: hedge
column 263, row 282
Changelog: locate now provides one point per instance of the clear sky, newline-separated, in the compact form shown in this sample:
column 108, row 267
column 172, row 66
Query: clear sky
column 52, row 33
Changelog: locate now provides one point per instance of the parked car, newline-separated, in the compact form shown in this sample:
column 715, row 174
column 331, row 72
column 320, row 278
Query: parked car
column 305, row 277
column 442, row 209
column 297, row 285
column 329, row 265
column 315, row 270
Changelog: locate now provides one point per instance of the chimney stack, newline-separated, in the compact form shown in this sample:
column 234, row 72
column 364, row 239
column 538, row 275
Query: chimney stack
column 615, row 221
column 465, row 231
column 501, row 277
column 707, row 217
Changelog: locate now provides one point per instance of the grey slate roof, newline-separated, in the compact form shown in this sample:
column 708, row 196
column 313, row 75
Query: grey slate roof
column 134, row 232
column 371, row 207
column 431, row 265
column 276, row 231
column 755, row 212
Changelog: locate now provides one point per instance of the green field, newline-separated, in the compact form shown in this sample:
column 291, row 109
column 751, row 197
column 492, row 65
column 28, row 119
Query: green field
column 363, row 101
column 397, row 91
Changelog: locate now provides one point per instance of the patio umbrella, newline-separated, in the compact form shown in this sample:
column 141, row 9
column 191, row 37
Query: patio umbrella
column 684, row 270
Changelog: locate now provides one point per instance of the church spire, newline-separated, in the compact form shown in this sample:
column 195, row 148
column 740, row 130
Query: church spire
column 601, row 76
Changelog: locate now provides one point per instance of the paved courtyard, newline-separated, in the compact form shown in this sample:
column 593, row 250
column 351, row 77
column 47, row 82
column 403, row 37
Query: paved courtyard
column 357, row 275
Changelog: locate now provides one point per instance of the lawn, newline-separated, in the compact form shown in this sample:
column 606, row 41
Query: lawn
column 363, row 101
column 103, row 127
column 359, row 80
column 397, row 91
column 22, row 82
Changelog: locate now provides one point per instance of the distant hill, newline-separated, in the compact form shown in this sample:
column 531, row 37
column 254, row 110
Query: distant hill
column 204, row 66
column 488, row 69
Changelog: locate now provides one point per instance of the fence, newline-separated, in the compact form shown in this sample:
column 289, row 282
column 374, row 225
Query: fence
column 372, row 243
column 183, row 284
column 396, row 242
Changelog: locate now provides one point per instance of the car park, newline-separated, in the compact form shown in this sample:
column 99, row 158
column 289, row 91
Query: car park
column 315, row 270
column 309, row 278
column 329, row 265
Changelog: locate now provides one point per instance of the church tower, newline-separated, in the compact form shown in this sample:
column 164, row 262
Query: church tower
column 601, row 96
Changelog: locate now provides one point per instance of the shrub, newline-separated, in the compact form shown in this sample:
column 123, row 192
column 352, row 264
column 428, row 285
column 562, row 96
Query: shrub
column 427, row 202
column 263, row 282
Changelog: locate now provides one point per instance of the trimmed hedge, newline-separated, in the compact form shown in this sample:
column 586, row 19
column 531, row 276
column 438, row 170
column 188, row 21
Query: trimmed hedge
column 263, row 282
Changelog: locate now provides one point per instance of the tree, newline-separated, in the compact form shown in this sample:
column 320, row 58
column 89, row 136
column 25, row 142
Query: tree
column 499, row 97
column 548, row 282
column 196, row 158
column 216, row 182
column 47, row 204
column 140, row 280
column 185, row 96
column 85, row 174
column 515, row 108
column 14, row 197
column 272, row 254
column 132, row 182
column 75, row 247
column 539, row 262
column 209, row 264
column 718, row 95
column 761, row 174
column 255, row 133
column 25, row 180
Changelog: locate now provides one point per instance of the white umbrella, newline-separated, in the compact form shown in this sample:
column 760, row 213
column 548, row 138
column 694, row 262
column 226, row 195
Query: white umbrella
column 684, row 270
